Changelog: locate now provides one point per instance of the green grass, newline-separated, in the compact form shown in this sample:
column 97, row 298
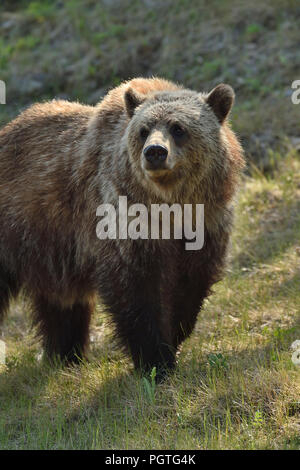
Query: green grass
column 235, row 386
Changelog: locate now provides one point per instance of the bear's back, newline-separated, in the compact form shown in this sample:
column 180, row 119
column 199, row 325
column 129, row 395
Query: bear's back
column 113, row 102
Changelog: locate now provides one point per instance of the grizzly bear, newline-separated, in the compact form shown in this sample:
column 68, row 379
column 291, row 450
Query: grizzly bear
column 152, row 141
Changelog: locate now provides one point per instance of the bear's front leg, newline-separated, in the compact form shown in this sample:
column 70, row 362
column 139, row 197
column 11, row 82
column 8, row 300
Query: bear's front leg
column 140, row 331
column 134, row 303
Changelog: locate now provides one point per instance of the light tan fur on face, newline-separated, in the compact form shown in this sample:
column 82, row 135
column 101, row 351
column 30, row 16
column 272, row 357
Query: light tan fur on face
column 160, row 136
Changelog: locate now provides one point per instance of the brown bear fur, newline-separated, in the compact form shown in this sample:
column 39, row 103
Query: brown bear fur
column 60, row 160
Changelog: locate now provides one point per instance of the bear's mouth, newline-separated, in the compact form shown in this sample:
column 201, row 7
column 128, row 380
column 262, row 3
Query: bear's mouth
column 161, row 177
column 157, row 174
column 156, row 171
column 160, row 172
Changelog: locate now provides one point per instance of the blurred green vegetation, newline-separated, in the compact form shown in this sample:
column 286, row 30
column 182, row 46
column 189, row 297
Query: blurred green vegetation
column 79, row 49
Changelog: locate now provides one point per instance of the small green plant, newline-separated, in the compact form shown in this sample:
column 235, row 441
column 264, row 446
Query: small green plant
column 40, row 11
column 258, row 419
column 6, row 52
column 26, row 43
column 113, row 31
column 150, row 386
column 211, row 69
column 253, row 31
column 253, row 28
column 12, row 361
column 217, row 361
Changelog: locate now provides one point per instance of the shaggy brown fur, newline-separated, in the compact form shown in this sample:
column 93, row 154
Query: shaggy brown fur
column 60, row 160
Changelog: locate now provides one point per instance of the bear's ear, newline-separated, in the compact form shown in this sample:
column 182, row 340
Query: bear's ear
column 132, row 100
column 221, row 99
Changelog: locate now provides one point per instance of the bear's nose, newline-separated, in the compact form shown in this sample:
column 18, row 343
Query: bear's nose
column 156, row 155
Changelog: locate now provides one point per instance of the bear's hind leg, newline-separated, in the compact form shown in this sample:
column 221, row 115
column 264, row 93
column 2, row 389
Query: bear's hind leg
column 8, row 289
column 64, row 330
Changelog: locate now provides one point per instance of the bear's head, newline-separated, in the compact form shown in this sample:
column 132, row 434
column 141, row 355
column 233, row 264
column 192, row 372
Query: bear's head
column 179, row 143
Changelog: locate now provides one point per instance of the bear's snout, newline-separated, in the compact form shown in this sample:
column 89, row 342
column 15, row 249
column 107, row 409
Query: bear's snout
column 155, row 156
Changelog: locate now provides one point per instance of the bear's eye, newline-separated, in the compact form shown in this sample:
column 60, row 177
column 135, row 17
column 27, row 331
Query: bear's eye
column 177, row 131
column 144, row 133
